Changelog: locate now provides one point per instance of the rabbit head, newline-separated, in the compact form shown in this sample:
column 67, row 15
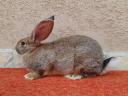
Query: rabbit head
column 41, row 32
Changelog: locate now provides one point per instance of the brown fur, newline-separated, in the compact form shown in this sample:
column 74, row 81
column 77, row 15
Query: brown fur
column 64, row 56
column 68, row 55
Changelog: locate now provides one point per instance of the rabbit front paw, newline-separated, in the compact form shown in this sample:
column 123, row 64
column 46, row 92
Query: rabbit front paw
column 31, row 76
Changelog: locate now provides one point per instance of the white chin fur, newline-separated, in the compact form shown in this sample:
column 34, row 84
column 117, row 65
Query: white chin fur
column 117, row 63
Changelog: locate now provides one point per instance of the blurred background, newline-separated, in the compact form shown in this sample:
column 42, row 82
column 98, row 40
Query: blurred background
column 104, row 20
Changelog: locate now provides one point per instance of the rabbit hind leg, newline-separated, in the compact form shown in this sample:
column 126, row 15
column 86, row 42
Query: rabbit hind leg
column 89, row 73
column 74, row 76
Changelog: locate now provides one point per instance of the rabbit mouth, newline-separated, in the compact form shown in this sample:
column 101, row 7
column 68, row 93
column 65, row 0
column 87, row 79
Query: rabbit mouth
column 19, row 51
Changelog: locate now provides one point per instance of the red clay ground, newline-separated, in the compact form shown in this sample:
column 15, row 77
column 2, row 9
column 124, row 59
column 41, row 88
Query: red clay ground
column 12, row 83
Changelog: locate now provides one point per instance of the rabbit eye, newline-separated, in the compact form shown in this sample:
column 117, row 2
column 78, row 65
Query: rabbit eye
column 22, row 43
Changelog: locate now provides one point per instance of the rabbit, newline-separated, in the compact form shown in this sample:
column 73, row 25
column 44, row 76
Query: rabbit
column 75, row 55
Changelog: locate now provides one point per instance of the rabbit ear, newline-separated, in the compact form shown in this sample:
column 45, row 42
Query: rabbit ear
column 43, row 29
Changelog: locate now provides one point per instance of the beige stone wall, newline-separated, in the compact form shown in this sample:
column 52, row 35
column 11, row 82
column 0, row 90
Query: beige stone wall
column 103, row 20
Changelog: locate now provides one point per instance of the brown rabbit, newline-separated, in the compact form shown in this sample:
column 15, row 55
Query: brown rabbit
column 75, row 55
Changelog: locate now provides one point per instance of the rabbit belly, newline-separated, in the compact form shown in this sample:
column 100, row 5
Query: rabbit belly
column 65, row 65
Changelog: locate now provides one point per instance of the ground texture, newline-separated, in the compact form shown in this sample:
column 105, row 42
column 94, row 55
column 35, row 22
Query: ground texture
column 12, row 83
